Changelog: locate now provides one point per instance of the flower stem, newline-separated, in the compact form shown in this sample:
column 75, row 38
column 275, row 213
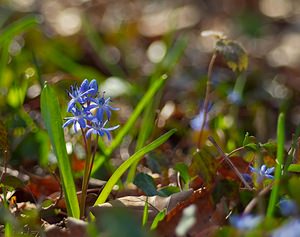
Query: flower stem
column 86, row 173
column 93, row 156
column 206, row 99
column 229, row 162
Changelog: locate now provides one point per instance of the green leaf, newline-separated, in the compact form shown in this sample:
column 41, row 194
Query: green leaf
column 293, row 188
column 183, row 170
column 204, row 164
column 158, row 218
column 168, row 191
column 99, row 47
column 67, row 63
column 233, row 53
column 252, row 146
column 271, row 147
column 12, row 181
column 250, row 142
column 294, row 168
column 145, row 212
column 52, row 117
column 131, row 121
column 139, row 108
column 146, row 183
column 18, row 27
column 279, row 163
column 125, row 165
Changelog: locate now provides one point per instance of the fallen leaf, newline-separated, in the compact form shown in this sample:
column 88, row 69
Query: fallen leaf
column 137, row 203
column 208, row 217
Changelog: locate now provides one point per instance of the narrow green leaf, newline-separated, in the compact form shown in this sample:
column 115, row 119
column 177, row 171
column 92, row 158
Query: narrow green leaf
column 131, row 121
column 158, row 218
column 69, row 65
column 278, row 169
column 100, row 48
column 8, row 230
column 183, row 170
column 294, row 168
column 52, row 117
column 173, row 56
column 18, row 27
column 145, row 212
column 246, row 139
column 123, row 167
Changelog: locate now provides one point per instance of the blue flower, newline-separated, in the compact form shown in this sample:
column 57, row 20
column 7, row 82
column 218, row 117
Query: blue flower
column 98, row 127
column 288, row 207
column 84, row 100
column 263, row 172
column 235, row 97
column 78, row 118
column 290, row 229
column 102, row 106
column 245, row 222
column 93, row 87
column 197, row 122
column 80, row 94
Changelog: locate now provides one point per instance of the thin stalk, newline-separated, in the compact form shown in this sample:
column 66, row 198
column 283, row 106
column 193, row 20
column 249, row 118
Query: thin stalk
column 238, row 173
column 93, row 157
column 256, row 199
column 279, row 162
column 85, row 174
column 235, row 151
column 206, row 99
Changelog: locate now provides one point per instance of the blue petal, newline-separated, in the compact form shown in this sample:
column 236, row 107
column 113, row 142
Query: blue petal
column 107, row 134
column 94, row 86
column 71, row 105
column 84, row 85
column 112, row 128
column 99, row 114
column 81, row 122
column 88, row 133
column 68, row 122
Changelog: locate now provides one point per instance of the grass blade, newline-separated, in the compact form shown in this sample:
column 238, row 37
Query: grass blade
column 69, row 65
column 131, row 121
column 149, row 114
column 18, row 27
column 99, row 47
column 52, row 117
column 123, row 167
column 158, row 218
column 145, row 213
column 279, row 163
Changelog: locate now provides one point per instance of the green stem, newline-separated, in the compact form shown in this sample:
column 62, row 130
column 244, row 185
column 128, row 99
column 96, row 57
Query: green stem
column 86, row 173
column 93, row 157
column 279, row 162
column 206, row 99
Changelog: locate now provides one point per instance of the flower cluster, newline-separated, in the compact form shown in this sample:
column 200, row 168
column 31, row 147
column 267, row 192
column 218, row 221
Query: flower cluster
column 90, row 111
column 263, row 172
column 245, row 222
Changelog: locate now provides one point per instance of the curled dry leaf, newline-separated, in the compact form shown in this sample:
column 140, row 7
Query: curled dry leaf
column 208, row 216
column 136, row 204
column 74, row 228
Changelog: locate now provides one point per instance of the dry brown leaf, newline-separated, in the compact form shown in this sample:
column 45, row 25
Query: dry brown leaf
column 137, row 203
column 74, row 228
column 208, row 217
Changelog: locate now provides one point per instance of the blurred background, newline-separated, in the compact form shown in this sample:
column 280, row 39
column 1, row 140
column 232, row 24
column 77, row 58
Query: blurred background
column 125, row 44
